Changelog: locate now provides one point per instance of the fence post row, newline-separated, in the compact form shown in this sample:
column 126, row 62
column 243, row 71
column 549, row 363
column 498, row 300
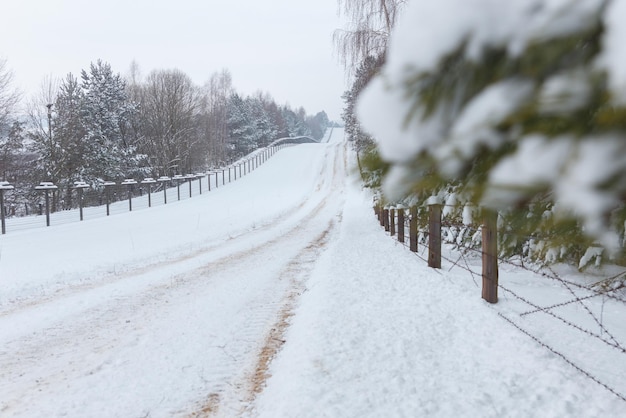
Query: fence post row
column 386, row 218
column 48, row 187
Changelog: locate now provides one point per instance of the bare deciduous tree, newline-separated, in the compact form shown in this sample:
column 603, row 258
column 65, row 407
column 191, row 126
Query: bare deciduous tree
column 9, row 96
column 370, row 23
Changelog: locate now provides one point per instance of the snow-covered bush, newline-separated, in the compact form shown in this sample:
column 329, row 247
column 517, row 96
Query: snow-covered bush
column 519, row 102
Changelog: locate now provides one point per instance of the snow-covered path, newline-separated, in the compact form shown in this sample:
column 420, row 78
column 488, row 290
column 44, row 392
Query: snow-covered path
column 279, row 295
column 179, row 335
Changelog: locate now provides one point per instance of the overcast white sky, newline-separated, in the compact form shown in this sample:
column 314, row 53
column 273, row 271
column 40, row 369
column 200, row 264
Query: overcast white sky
column 283, row 47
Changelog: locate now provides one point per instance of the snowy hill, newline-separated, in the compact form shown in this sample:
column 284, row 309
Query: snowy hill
column 278, row 295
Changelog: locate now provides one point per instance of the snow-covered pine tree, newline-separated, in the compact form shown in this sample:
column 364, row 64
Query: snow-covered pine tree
column 515, row 101
column 264, row 130
column 241, row 126
column 69, row 133
column 106, row 113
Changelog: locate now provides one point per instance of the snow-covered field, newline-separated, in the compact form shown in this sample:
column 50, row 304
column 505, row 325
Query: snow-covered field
column 279, row 295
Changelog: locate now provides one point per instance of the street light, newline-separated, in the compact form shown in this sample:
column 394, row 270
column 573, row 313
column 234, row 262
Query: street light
column 149, row 181
column 130, row 183
column 46, row 186
column 4, row 185
column 80, row 186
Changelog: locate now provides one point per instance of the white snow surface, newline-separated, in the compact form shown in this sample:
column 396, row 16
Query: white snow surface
column 165, row 312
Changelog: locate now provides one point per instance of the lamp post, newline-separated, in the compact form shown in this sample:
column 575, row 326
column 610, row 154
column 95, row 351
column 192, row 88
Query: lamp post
column 107, row 189
column 46, row 186
column 164, row 180
column 80, row 186
column 149, row 181
column 130, row 183
column 4, row 185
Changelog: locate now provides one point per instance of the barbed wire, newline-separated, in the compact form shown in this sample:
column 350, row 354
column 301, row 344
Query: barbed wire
column 544, row 271
column 565, row 321
column 564, row 358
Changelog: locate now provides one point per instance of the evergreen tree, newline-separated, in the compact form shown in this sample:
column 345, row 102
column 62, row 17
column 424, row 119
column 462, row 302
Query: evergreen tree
column 105, row 116
column 517, row 114
column 241, row 129
column 71, row 153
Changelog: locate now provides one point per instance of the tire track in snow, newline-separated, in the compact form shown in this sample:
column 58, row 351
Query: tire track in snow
column 239, row 398
column 287, row 218
column 77, row 354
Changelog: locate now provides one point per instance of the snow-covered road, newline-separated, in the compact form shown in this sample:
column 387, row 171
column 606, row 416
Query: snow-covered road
column 185, row 319
column 279, row 295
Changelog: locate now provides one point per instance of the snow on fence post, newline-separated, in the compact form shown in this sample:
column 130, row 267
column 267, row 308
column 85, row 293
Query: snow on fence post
column 190, row 178
column 178, row 178
column 80, row 186
column 4, row 185
column 130, row 183
column 490, row 256
column 401, row 224
column 413, row 229
column 199, row 177
column 434, row 232
column 107, row 191
column 47, row 186
column 164, row 180
column 392, row 222
column 149, row 181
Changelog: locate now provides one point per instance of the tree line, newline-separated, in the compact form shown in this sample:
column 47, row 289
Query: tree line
column 100, row 126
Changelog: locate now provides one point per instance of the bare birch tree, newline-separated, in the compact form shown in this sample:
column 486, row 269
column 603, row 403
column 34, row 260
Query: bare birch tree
column 9, row 97
column 370, row 23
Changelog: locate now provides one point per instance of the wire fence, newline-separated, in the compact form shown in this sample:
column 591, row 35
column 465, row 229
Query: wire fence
column 116, row 198
column 579, row 318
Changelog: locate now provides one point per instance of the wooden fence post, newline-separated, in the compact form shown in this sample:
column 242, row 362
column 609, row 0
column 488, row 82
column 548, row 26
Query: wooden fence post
column 386, row 219
column 490, row 256
column 381, row 213
column 434, row 233
column 401, row 225
column 392, row 222
column 413, row 229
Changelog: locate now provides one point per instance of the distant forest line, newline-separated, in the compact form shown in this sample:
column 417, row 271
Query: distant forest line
column 101, row 126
